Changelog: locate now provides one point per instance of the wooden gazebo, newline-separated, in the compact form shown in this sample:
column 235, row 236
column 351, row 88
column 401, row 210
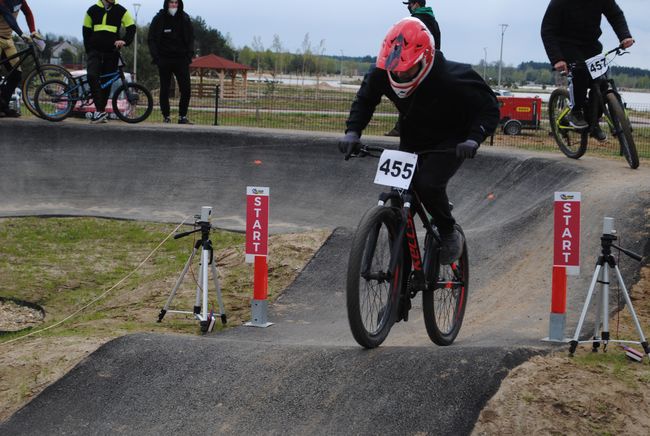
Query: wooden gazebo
column 213, row 65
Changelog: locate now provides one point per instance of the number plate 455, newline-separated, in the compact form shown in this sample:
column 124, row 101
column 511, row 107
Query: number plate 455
column 396, row 169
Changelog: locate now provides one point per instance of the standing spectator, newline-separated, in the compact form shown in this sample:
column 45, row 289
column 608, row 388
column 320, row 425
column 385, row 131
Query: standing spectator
column 171, row 43
column 101, row 33
column 8, row 12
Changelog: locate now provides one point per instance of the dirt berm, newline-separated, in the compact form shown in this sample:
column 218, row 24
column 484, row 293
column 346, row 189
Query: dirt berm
column 305, row 374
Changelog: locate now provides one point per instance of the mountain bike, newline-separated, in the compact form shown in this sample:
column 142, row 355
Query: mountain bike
column 131, row 102
column 40, row 74
column 387, row 269
column 603, row 97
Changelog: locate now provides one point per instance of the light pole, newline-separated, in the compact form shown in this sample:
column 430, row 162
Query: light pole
column 485, row 63
column 341, row 72
column 136, row 8
column 503, row 30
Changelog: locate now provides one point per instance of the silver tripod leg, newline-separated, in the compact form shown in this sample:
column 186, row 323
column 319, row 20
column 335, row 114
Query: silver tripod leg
column 177, row 285
column 574, row 342
column 628, row 301
column 215, row 277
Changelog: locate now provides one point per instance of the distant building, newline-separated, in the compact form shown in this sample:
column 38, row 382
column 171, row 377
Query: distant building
column 58, row 50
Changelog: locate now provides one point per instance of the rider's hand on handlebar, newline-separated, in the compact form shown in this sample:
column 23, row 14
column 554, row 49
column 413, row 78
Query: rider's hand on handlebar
column 627, row 42
column 467, row 149
column 350, row 144
column 562, row 67
column 36, row 35
column 26, row 38
column 119, row 44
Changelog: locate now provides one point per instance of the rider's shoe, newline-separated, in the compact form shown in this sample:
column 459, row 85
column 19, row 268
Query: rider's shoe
column 99, row 117
column 167, row 120
column 9, row 113
column 598, row 133
column 451, row 247
column 184, row 120
column 576, row 119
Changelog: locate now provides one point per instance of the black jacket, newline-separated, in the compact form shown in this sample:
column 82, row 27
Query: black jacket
column 101, row 27
column 452, row 104
column 571, row 28
column 161, row 30
column 432, row 25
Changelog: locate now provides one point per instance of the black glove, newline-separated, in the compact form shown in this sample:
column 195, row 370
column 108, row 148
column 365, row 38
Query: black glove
column 467, row 149
column 350, row 144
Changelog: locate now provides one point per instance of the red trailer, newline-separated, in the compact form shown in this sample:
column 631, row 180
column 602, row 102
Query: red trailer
column 519, row 113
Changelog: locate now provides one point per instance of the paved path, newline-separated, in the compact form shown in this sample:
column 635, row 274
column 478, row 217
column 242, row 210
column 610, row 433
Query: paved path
column 305, row 375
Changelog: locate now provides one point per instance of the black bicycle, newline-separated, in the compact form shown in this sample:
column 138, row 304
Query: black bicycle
column 387, row 269
column 40, row 74
column 603, row 98
column 131, row 102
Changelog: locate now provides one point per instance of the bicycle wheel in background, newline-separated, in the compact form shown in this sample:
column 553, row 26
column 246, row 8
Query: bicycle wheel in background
column 36, row 78
column 132, row 103
column 570, row 141
column 444, row 307
column 53, row 100
column 623, row 130
column 372, row 290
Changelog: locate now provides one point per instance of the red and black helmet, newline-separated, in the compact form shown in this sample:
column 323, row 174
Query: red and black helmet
column 407, row 44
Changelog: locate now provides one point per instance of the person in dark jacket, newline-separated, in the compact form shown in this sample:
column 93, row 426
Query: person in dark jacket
column 101, row 33
column 442, row 105
column 171, row 43
column 570, row 32
column 418, row 9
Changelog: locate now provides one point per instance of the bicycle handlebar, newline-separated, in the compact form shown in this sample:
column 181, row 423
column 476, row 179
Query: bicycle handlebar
column 372, row 150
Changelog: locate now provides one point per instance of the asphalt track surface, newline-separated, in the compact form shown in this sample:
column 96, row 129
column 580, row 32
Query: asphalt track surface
column 305, row 374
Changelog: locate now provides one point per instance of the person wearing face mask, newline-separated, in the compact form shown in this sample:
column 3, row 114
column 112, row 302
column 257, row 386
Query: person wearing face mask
column 101, row 34
column 171, row 43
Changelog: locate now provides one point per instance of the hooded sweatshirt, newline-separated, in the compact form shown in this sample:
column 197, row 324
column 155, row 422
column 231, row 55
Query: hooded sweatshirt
column 425, row 14
column 102, row 27
column 171, row 37
column 8, row 12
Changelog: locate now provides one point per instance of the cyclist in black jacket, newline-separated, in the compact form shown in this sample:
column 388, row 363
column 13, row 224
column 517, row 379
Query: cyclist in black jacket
column 171, row 43
column 570, row 32
column 101, row 33
column 442, row 105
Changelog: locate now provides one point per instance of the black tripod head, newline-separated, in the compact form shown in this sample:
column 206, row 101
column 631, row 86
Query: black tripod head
column 201, row 223
column 608, row 238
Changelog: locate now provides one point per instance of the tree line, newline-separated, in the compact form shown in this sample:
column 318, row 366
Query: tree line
column 310, row 60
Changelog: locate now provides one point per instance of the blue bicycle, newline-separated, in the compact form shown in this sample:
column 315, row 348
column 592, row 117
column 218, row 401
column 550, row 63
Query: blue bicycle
column 131, row 102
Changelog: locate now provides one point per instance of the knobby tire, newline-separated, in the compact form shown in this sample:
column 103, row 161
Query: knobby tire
column 36, row 78
column 139, row 103
column 570, row 141
column 623, row 130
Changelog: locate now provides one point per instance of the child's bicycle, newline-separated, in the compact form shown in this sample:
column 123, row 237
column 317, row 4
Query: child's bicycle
column 131, row 101
column 40, row 74
column 387, row 269
column 603, row 97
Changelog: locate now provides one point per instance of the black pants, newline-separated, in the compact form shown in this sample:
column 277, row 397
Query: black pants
column 430, row 182
column 99, row 64
column 581, row 79
column 13, row 80
column 181, row 70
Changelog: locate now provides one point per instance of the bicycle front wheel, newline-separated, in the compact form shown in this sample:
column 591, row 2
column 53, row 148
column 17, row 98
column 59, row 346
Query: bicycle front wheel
column 572, row 142
column 38, row 77
column 132, row 103
column 53, row 100
column 372, row 289
column 444, row 306
column 623, row 130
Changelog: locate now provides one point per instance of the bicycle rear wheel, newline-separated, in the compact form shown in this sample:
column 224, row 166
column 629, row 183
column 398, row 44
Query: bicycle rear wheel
column 36, row 78
column 572, row 142
column 54, row 101
column 444, row 306
column 623, row 130
column 372, row 290
column 132, row 103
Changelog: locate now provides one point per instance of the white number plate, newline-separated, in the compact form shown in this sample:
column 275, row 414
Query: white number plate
column 396, row 169
column 597, row 66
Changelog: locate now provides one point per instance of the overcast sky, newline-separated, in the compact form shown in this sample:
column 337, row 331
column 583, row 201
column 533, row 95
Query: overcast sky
column 357, row 28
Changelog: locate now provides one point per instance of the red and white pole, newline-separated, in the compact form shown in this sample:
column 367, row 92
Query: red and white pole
column 566, row 258
column 257, row 233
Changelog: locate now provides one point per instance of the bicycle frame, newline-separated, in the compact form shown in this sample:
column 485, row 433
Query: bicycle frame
column 22, row 55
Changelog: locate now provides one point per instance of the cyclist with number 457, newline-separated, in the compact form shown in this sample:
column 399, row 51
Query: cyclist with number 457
column 442, row 105
column 570, row 32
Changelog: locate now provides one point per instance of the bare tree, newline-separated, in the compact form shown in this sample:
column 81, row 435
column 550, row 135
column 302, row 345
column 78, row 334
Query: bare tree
column 258, row 47
column 319, row 59
column 306, row 53
column 277, row 48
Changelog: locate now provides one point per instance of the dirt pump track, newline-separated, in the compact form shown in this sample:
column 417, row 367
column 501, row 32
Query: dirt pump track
column 305, row 374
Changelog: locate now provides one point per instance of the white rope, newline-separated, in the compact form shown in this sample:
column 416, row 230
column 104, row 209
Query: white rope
column 103, row 294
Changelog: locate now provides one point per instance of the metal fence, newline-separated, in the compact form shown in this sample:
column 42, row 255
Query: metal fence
column 325, row 108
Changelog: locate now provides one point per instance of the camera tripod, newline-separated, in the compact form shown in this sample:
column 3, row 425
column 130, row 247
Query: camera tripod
column 602, row 275
column 200, row 310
